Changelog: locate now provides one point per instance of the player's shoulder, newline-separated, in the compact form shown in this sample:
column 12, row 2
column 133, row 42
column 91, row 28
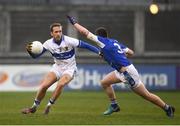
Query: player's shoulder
column 49, row 41
column 68, row 38
column 115, row 41
column 107, row 40
column 102, row 39
column 47, row 44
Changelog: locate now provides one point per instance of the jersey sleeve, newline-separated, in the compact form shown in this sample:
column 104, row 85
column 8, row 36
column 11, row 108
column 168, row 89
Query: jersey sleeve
column 45, row 45
column 72, row 41
column 88, row 46
column 124, row 48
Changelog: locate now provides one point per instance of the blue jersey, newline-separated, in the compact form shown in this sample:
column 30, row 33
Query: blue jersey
column 113, row 53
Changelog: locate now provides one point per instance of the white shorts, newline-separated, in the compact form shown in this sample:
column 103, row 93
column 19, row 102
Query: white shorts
column 132, row 72
column 59, row 71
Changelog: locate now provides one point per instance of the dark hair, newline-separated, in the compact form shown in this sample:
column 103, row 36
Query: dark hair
column 54, row 25
column 101, row 31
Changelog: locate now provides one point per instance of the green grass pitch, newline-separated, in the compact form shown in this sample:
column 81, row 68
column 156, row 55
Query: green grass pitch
column 85, row 108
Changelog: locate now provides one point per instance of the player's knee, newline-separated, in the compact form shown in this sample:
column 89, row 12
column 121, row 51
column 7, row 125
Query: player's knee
column 61, row 85
column 104, row 84
column 101, row 81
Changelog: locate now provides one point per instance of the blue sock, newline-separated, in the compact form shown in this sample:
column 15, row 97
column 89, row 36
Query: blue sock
column 114, row 103
column 36, row 103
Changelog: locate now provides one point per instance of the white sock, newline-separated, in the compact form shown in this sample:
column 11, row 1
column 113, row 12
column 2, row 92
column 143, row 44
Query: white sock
column 166, row 107
column 51, row 102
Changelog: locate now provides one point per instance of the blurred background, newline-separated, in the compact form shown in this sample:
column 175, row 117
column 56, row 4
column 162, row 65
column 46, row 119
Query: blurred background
column 153, row 34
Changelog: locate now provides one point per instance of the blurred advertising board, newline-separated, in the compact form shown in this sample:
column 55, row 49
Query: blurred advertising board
column 28, row 77
column 178, row 77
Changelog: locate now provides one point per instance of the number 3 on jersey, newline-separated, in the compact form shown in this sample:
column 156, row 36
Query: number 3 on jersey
column 119, row 48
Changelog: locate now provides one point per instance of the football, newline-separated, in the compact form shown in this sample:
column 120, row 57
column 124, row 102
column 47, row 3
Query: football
column 36, row 47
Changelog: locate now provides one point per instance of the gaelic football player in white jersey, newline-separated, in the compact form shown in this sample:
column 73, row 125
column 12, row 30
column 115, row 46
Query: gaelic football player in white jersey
column 115, row 54
column 62, row 49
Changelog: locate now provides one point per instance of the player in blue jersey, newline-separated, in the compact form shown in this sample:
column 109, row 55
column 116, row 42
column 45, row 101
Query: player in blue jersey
column 115, row 54
column 62, row 49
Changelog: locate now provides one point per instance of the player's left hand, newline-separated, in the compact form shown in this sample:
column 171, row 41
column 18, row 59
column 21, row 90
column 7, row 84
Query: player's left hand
column 71, row 19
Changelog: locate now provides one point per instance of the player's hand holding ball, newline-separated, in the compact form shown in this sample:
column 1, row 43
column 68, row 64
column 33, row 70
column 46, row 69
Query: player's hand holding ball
column 28, row 47
column 34, row 48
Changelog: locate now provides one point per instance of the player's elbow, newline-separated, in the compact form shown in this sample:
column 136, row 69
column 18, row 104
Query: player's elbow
column 84, row 33
column 130, row 53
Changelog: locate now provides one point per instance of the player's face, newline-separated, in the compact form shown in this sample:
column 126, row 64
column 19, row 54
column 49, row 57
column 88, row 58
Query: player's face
column 57, row 33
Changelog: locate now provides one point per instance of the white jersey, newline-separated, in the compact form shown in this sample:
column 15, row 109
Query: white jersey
column 64, row 53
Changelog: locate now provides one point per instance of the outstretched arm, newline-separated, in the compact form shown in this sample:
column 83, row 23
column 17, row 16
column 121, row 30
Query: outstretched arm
column 85, row 32
column 89, row 47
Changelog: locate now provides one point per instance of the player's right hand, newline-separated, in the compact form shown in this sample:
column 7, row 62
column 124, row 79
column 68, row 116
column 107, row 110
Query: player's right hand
column 71, row 19
column 101, row 54
column 29, row 48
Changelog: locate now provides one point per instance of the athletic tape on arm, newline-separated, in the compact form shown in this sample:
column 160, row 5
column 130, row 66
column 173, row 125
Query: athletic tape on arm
column 94, row 38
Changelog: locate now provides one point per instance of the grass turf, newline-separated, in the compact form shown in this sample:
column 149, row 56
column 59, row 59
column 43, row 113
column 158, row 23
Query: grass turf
column 85, row 108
